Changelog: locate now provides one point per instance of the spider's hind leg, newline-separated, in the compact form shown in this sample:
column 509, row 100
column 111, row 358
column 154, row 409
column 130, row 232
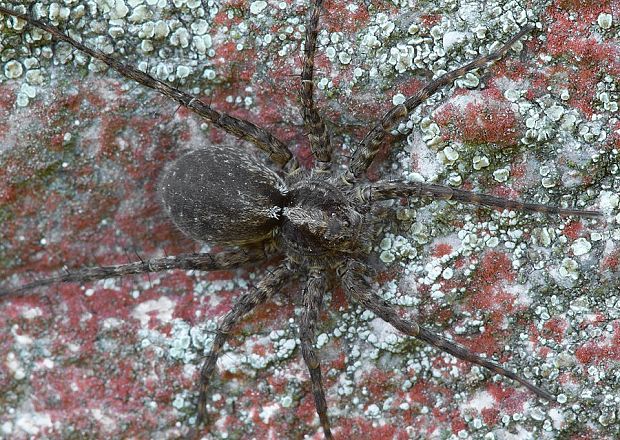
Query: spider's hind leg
column 228, row 259
column 312, row 300
column 359, row 291
column 316, row 129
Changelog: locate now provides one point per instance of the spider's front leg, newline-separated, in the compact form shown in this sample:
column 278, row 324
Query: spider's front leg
column 396, row 189
column 241, row 128
column 316, row 129
column 266, row 288
column 369, row 147
column 359, row 290
column 312, row 299
column 224, row 260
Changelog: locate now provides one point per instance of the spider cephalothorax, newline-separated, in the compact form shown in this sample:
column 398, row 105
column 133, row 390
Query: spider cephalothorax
column 318, row 222
column 320, row 219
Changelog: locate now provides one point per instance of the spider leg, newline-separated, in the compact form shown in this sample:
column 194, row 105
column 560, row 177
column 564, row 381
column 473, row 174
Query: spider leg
column 270, row 284
column 359, row 290
column 312, row 301
column 368, row 148
column 205, row 262
column 246, row 130
column 315, row 126
column 393, row 190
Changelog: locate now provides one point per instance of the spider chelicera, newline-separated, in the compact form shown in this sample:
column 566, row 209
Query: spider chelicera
column 321, row 222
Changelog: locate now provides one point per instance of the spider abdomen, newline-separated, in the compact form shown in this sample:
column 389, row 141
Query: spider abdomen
column 221, row 195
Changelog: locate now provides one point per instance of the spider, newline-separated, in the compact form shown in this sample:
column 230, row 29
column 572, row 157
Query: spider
column 321, row 222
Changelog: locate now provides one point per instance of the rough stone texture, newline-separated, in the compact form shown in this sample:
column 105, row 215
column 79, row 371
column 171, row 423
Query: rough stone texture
column 78, row 168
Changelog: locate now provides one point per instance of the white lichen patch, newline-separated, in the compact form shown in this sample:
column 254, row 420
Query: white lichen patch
column 501, row 174
column 13, row 69
column 161, row 308
column 480, row 162
column 256, row 7
column 14, row 365
column 269, row 411
column 398, row 99
column 33, row 423
column 604, row 20
column 469, row 81
column 609, row 201
column 449, row 154
column 30, row 312
column 569, row 268
column 284, row 347
column 392, row 247
column 581, row 246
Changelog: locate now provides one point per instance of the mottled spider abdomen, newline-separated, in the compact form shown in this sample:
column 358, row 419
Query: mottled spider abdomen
column 221, row 195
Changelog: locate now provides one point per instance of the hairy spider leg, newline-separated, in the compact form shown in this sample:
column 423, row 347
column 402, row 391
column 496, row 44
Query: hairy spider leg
column 245, row 130
column 358, row 290
column 266, row 288
column 317, row 131
column 369, row 146
column 312, row 301
column 229, row 259
column 393, row 190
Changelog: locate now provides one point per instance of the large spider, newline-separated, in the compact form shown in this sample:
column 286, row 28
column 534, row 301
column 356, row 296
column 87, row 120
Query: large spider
column 322, row 222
